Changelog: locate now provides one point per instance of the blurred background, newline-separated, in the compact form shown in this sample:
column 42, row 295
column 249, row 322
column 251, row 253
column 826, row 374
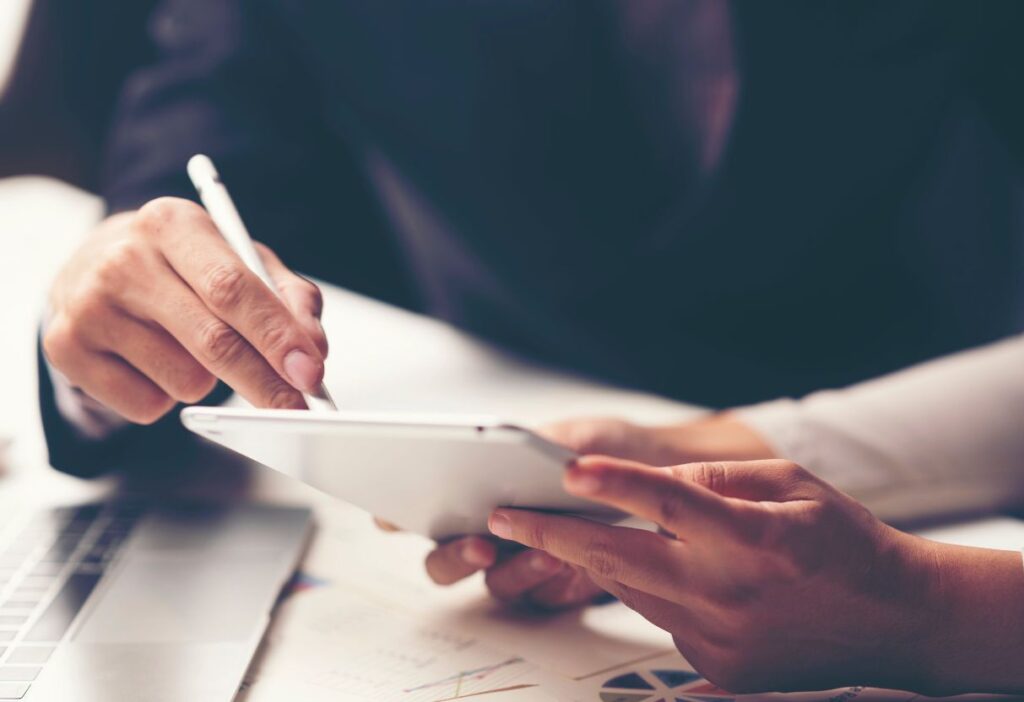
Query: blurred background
column 58, row 71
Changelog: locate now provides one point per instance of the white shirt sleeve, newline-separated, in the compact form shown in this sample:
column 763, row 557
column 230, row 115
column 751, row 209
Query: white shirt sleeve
column 944, row 436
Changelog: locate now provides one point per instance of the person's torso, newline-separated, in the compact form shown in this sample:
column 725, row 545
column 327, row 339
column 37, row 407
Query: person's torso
column 858, row 216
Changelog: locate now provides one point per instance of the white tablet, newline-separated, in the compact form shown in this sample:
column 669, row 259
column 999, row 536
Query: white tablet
column 436, row 475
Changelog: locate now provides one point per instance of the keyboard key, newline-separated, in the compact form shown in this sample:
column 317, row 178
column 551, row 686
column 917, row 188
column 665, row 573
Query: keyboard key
column 86, row 512
column 128, row 510
column 28, row 594
column 7, row 635
column 18, row 604
column 13, row 690
column 58, row 554
column 19, row 673
column 36, row 582
column 47, row 568
column 13, row 619
column 119, row 526
column 94, row 555
column 30, row 654
column 76, row 527
column 64, row 607
column 11, row 560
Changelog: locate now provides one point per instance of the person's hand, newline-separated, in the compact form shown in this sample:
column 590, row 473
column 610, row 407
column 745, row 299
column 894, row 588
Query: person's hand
column 155, row 306
column 716, row 437
column 769, row 579
column 529, row 577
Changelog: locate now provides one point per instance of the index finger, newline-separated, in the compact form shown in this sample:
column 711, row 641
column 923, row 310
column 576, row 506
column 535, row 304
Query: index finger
column 655, row 494
column 634, row 557
column 194, row 248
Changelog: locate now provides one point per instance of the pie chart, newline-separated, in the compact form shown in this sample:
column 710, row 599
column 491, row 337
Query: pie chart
column 662, row 685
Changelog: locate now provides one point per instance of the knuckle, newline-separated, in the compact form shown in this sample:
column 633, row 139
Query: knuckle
column 156, row 214
column 58, row 341
column 818, row 514
column 668, row 510
column 307, row 291
column 150, row 410
column 89, row 306
column 221, row 345
column 194, row 386
column 792, row 472
column 119, row 261
column 602, row 561
column 224, row 284
column 275, row 337
column 710, row 475
column 282, row 396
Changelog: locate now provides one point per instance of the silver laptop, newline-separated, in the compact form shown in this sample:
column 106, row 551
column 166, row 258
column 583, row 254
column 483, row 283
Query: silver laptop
column 130, row 601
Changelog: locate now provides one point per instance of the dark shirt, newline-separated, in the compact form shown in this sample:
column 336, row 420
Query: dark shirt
column 721, row 203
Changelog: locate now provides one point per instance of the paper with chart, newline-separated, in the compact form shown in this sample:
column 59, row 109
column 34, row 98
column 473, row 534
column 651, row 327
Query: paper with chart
column 669, row 678
column 368, row 626
column 333, row 644
column 328, row 644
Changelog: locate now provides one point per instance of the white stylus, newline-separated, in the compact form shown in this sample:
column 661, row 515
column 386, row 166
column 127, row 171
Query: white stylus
column 225, row 215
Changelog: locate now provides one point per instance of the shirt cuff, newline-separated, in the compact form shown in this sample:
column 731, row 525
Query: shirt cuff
column 812, row 438
column 778, row 423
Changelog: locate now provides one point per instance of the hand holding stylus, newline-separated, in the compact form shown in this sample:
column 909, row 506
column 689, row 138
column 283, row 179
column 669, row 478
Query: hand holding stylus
column 225, row 216
column 155, row 306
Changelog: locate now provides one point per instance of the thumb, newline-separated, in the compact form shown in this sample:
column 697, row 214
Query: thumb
column 300, row 295
column 773, row 480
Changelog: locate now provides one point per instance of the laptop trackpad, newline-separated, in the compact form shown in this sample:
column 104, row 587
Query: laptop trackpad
column 172, row 600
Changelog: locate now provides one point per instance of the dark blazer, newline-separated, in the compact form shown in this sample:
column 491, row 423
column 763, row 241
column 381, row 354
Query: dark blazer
column 484, row 161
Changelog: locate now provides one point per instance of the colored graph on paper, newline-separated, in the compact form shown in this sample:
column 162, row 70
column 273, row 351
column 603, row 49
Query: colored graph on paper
column 495, row 677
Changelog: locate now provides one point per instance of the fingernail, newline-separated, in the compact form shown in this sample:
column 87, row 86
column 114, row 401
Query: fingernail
column 543, row 563
column 474, row 554
column 500, row 525
column 582, row 482
column 302, row 371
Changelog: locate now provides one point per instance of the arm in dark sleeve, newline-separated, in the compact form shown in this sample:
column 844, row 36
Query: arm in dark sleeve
column 230, row 81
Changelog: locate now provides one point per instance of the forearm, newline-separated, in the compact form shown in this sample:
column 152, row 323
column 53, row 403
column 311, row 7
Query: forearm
column 975, row 641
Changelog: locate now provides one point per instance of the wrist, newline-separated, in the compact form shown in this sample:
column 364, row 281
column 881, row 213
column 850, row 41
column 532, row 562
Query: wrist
column 969, row 625
column 717, row 437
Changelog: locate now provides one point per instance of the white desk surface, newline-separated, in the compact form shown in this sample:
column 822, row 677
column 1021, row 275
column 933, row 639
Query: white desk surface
column 376, row 591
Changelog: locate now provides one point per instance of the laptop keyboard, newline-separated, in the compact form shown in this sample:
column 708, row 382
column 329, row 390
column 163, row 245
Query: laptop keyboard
column 47, row 572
